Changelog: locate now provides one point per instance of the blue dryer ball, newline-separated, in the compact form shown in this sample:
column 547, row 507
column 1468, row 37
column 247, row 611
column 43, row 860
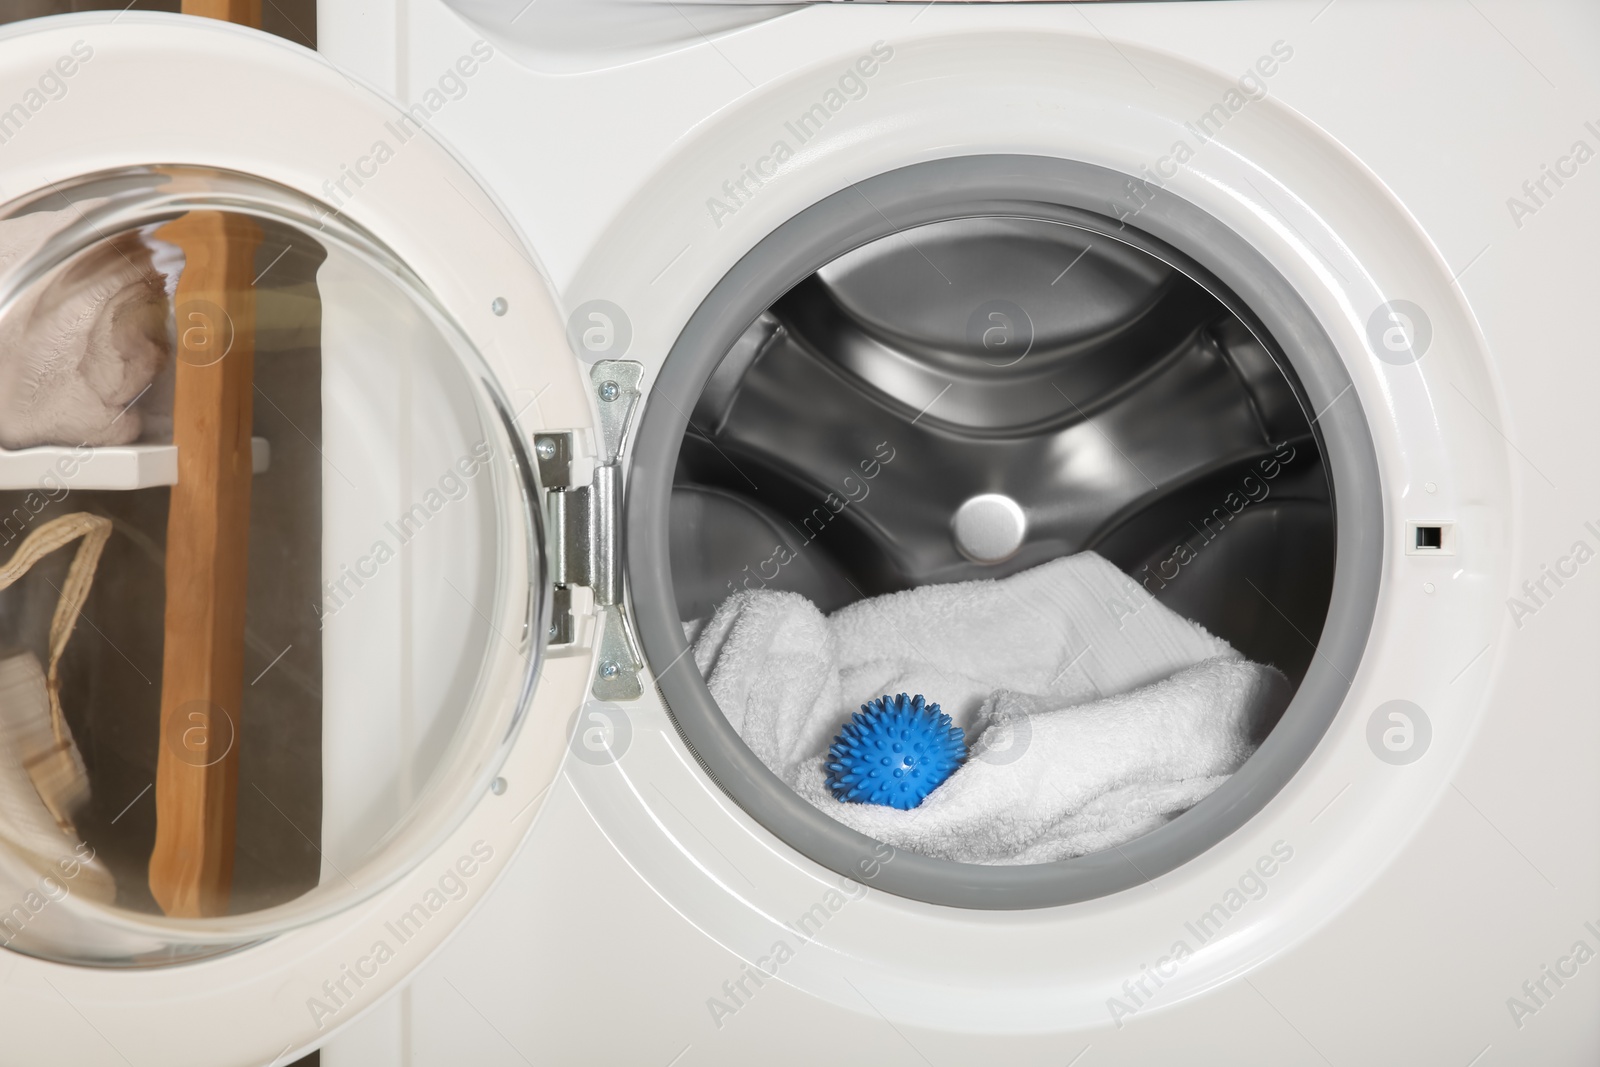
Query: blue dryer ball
column 894, row 751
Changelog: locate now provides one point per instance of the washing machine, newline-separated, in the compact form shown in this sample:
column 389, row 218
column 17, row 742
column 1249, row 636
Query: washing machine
column 561, row 324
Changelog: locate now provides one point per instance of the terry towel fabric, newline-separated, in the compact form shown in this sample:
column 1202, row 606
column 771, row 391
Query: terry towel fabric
column 82, row 345
column 1093, row 713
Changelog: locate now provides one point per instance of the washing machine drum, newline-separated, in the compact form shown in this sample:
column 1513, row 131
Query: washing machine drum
column 1111, row 405
column 1004, row 381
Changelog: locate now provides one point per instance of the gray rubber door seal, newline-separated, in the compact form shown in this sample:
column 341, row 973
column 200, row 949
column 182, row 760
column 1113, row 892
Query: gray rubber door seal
column 1077, row 194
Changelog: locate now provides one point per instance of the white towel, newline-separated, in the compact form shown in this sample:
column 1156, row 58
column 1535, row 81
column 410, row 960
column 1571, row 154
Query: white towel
column 85, row 342
column 1094, row 714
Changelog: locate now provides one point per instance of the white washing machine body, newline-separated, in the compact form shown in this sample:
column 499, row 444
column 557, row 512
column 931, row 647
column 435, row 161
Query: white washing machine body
column 1375, row 155
column 1422, row 896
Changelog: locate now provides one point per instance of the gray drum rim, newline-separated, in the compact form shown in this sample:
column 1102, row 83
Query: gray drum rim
column 1049, row 189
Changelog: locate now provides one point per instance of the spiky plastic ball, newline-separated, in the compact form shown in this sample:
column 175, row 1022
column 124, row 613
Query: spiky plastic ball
column 894, row 752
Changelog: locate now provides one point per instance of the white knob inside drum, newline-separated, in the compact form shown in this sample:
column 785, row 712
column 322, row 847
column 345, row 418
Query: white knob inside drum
column 989, row 528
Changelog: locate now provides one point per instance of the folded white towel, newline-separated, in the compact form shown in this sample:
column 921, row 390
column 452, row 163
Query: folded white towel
column 84, row 342
column 1093, row 712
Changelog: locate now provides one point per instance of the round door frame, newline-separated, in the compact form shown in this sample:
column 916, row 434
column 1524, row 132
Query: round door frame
column 1054, row 190
column 281, row 996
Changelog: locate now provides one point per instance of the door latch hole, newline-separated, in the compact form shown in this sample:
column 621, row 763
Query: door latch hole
column 1430, row 538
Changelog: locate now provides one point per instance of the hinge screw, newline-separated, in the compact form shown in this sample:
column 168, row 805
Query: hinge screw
column 609, row 391
column 545, row 449
column 608, row 669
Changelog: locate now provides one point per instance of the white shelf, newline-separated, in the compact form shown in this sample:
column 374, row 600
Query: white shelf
column 124, row 467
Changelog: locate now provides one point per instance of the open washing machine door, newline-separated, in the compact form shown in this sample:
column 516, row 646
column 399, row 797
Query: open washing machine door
column 283, row 368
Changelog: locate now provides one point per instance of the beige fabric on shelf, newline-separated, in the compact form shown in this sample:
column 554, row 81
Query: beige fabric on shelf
column 81, row 345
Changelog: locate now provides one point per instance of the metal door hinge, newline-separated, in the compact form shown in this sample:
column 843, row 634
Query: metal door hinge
column 584, row 525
